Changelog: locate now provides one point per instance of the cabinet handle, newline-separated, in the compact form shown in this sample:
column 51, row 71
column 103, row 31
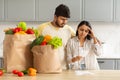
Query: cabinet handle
column 101, row 61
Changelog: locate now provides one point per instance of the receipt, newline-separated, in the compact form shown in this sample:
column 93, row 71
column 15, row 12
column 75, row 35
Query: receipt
column 78, row 72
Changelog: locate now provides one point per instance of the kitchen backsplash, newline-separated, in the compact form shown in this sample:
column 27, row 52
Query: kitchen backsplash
column 109, row 33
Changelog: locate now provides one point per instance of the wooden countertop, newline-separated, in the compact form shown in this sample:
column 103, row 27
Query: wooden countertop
column 69, row 75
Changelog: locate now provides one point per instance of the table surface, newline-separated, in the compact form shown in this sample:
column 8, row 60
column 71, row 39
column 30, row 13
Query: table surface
column 69, row 75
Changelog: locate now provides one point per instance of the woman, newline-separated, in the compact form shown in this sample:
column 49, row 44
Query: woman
column 83, row 48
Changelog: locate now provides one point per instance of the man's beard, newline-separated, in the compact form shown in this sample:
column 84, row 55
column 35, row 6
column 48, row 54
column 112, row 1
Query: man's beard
column 58, row 24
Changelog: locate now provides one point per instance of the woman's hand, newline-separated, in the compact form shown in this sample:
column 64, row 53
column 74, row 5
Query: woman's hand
column 91, row 34
column 77, row 58
column 93, row 37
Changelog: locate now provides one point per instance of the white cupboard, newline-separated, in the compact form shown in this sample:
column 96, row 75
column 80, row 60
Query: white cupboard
column 109, row 63
column 1, row 10
column 118, row 64
column 46, row 9
column 98, row 10
column 117, row 10
column 75, row 9
column 43, row 10
column 19, row 10
column 106, row 64
column 1, row 62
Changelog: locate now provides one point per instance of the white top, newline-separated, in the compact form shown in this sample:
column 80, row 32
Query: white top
column 88, row 51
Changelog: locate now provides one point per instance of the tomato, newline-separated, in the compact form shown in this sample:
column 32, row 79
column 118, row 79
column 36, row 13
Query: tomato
column 20, row 74
column 1, row 72
column 43, row 43
column 15, row 71
column 17, row 30
column 30, row 31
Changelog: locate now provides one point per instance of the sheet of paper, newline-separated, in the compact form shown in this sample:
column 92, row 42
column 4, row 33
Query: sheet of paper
column 78, row 72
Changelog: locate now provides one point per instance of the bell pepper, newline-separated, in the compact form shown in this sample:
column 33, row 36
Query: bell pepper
column 20, row 32
column 43, row 43
column 30, row 31
column 32, row 72
column 17, row 30
column 47, row 38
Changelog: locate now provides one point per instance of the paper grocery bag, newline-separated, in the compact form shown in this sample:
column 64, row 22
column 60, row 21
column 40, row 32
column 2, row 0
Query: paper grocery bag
column 46, row 59
column 16, row 52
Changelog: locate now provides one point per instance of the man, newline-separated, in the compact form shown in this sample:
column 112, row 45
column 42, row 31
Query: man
column 59, row 28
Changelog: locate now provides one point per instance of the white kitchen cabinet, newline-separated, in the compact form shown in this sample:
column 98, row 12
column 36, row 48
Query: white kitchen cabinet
column 117, row 10
column 1, row 62
column 20, row 10
column 43, row 10
column 108, row 64
column 98, row 10
column 1, row 10
column 118, row 64
column 46, row 9
column 75, row 9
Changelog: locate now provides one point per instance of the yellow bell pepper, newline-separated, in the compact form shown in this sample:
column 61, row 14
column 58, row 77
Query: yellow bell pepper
column 20, row 32
column 32, row 72
column 47, row 38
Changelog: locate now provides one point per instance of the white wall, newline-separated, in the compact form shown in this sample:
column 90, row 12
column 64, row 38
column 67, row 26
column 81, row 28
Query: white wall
column 106, row 32
column 110, row 34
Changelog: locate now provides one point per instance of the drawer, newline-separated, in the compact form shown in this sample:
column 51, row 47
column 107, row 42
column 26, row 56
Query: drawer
column 107, row 64
column 1, row 62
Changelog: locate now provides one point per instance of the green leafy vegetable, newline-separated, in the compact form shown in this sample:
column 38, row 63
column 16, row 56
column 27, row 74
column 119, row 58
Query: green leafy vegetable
column 56, row 42
column 9, row 32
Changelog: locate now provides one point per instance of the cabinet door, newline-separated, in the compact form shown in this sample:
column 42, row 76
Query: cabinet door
column 1, row 62
column 98, row 10
column 46, row 9
column 17, row 10
column 117, row 10
column 118, row 64
column 1, row 9
column 107, row 64
column 75, row 9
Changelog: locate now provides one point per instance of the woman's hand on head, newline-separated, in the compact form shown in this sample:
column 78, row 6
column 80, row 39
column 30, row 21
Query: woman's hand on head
column 93, row 36
column 91, row 33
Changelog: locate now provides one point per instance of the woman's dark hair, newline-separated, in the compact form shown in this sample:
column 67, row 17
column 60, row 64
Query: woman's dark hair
column 84, row 23
column 62, row 10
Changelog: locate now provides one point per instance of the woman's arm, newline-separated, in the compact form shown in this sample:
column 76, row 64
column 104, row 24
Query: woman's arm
column 97, row 47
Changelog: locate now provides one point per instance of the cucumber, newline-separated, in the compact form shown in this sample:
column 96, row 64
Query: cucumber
column 37, row 41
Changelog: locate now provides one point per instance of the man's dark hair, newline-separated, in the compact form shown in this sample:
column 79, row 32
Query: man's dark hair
column 62, row 10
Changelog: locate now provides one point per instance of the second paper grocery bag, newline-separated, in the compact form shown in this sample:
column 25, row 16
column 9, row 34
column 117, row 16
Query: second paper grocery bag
column 46, row 59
